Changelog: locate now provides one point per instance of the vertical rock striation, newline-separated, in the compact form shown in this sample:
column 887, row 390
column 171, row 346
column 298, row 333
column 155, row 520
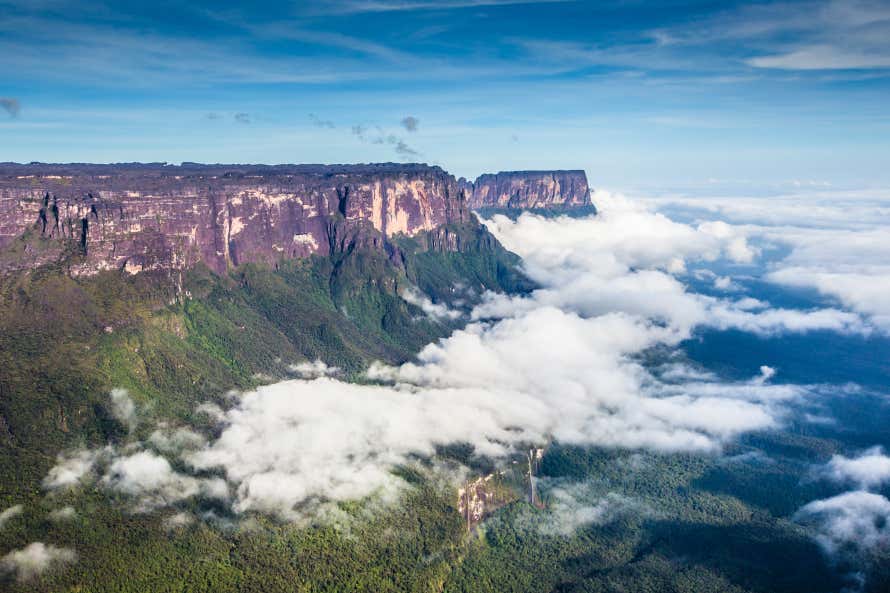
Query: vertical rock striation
column 141, row 217
column 137, row 217
column 531, row 190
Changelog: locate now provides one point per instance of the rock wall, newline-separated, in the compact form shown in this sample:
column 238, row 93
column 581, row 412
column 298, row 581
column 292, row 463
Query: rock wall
column 546, row 190
column 139, row 217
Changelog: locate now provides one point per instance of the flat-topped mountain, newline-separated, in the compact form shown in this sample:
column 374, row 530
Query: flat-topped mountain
column 531, row 190
column 136, row 217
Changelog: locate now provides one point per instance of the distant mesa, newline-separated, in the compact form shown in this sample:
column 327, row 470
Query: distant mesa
column 531, row 190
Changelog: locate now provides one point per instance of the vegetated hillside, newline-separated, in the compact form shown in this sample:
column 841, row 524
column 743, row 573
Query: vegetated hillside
column 174, row 340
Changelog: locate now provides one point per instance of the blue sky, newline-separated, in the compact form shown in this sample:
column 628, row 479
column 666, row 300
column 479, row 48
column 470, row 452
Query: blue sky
column 641, row 95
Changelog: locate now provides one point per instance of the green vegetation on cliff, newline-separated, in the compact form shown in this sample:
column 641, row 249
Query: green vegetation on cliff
column 176, row 340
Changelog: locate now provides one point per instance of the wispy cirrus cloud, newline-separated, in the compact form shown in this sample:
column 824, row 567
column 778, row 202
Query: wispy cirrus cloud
column 360, row 6
column 805, row 36
column 115, row 54
column 823, row 57
column 375, row 55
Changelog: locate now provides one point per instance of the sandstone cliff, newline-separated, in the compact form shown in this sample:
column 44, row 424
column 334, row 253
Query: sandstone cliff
column 138, row 217
column 155, row 216
column 529, row 190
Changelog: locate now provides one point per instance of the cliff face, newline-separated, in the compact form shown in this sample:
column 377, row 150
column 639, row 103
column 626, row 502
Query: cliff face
column 140, row 217
column 546, row 190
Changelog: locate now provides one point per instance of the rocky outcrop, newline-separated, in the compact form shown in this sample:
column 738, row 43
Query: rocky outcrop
column 531, row 190
column 141, row 217
column 478, row 499
column 155, row 216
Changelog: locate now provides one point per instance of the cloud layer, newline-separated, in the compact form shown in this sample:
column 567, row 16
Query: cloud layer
column 835, row 242
column 629, row 259
column 548, row 373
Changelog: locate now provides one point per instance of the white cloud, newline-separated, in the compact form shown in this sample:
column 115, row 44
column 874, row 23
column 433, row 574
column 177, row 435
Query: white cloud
column 151, row 479
column 735, row 245
column 174, row 440
column 123, row 408
column 626, row 258
column 70, row 469
column 723, row 283
column 298, row 441
column 65, row 513
column 837, row 242
column 856, row 520
column 870, row 469
column 212, row 410
column 750, row 304
column 7, row 514
column 858, row 289
column 140, row 472
column 312, row 370
column 35, row 559
column 624, row 234
column 545, row 373
column 818, row 419
column 438, row 311
column 766, row 373
column 752, row 457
